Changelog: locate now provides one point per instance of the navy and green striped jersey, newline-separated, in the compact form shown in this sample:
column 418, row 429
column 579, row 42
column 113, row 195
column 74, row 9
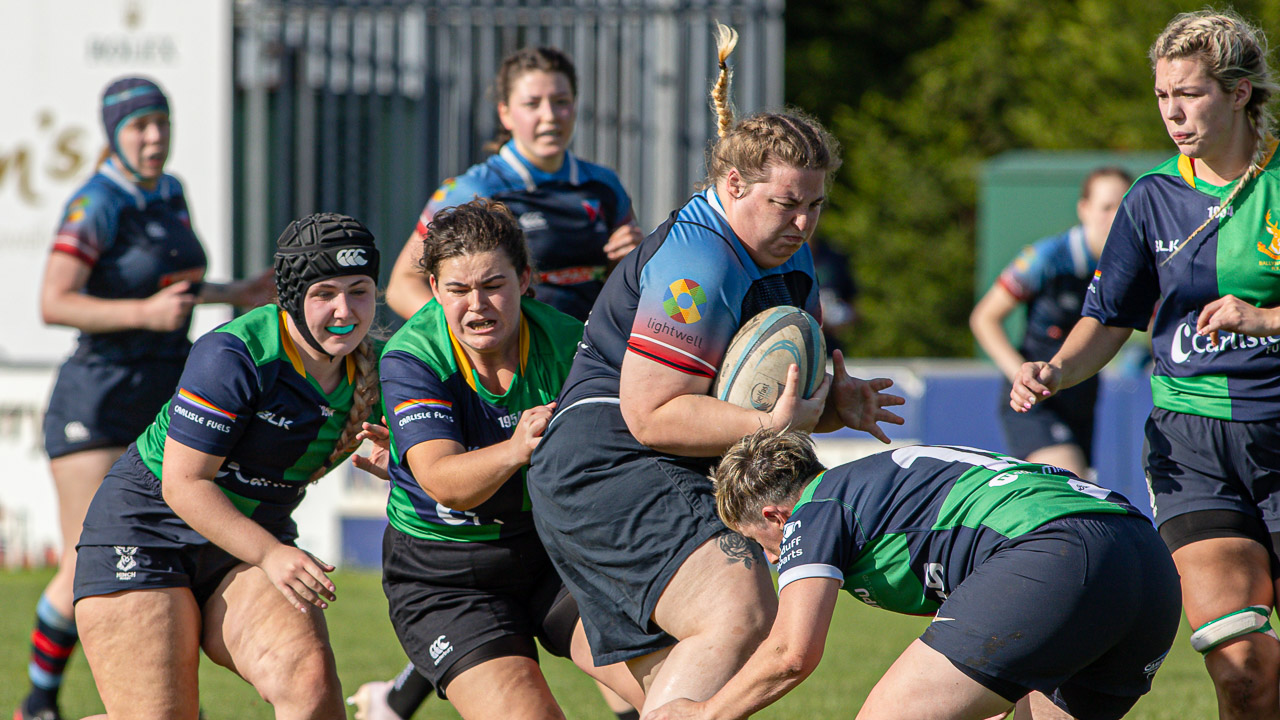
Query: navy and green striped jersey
column 431, row 392
column 1238, row 253
column 901, row 529
column 245, row 396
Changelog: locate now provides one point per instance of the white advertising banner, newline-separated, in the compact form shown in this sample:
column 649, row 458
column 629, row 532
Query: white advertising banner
column 58, row 56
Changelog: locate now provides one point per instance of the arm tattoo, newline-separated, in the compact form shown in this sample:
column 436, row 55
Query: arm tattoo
column 739, row 549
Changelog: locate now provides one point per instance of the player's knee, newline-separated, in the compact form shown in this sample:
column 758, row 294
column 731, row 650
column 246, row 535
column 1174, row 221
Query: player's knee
column 298, row 675
column 1245, row 674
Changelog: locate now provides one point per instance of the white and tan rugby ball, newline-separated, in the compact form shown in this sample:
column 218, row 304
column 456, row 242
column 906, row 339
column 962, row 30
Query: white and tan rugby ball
column 754, row 370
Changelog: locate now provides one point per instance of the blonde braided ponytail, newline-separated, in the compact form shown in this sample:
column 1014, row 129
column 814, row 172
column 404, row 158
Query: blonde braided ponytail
column 726, row 41
column 364, row 397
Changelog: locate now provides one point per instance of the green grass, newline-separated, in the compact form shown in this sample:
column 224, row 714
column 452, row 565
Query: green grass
column 863, row 643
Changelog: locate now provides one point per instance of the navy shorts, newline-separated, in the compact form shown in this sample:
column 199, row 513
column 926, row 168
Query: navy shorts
column 1197, row 463
column 450, row 600
column 1083, row 609
column 1064, row 419
column 618, row 520
column 97, row 404
column 132, row 540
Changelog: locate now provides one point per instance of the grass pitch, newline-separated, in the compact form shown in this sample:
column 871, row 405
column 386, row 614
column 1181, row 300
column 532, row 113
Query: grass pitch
column 863, row 643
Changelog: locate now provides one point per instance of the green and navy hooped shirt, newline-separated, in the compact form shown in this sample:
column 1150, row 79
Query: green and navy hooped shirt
column 245, row 396
column 902, row 529
column 1238, row 253
column 431, row 392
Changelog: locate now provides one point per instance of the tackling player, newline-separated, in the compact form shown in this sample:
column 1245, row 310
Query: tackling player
column 1037, row 580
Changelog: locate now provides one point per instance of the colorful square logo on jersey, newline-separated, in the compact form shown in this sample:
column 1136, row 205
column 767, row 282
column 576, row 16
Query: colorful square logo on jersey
column 1272, row 248
column 592, row 208
column 444, row 189
column 75, row 213
column 683, row 300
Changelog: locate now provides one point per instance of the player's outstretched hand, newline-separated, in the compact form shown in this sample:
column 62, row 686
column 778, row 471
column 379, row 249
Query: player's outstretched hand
column 860, row 403
column 794, row 412
column 1035, row 382
column 528, row 433
column 1231, row 314
column 299, row 576
column 676, row 710
column 379, row 458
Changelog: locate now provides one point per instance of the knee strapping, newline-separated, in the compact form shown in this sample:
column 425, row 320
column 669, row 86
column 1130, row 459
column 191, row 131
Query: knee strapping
column 1253, row 619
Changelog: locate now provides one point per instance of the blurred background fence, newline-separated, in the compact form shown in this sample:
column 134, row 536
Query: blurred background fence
column 365, row 107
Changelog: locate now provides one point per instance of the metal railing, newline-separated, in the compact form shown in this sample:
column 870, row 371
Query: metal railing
column 366, row 107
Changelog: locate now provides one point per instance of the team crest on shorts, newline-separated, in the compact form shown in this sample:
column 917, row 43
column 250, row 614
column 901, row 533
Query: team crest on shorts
column 75, row 431
column 126, row 562
column 439, row 648
column 683, row 299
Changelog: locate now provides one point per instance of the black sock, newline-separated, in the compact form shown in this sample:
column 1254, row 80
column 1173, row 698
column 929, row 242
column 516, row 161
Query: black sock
column 628, row 715
column 410, row 690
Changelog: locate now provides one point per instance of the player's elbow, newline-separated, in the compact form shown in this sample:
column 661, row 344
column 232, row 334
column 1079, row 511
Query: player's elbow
column 639, row 421
column 797, row 663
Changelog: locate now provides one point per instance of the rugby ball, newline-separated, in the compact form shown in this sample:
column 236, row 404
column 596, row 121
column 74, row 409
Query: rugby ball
column 754, row 370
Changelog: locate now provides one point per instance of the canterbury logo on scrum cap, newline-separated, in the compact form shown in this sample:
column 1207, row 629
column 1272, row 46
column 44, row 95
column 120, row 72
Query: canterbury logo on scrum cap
column 350, row 257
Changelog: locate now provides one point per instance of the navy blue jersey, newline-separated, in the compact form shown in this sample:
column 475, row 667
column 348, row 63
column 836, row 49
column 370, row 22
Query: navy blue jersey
column 1051, row 276
column 136, row 241
column 901, row 529
column 567, row 217
column 1237, row 253
column 431, row 392
column 246, row 397
column 680, row 297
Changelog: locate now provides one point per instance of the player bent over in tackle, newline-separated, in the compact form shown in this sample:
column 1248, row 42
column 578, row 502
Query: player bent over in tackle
column 1040, row 581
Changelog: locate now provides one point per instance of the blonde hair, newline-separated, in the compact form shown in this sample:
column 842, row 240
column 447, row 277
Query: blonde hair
column 1231, row 50
column 755, row 143
column 767, row 467
column 365, row 397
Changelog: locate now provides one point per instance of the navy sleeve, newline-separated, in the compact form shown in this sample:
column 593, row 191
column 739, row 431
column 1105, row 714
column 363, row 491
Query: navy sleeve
column 818, row 542
column 216, row 396
column 88, row 227
column 419, row 406
column 1125, row 287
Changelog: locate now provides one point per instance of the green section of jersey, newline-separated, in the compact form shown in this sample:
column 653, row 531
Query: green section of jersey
column 1204, row 395
column 551, row 344
column 881, row 577
column 1018, row 500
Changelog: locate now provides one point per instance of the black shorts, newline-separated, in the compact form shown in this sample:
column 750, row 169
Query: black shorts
column 618, row 520
column 1083, row 609
column 1196, row 463
column 132, row 540
column 1064, row 419
column 451, row 602
column 97, row 404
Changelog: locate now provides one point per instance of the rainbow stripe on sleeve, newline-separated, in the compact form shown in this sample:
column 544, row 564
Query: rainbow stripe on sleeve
column 408, row 405
column 203, row 404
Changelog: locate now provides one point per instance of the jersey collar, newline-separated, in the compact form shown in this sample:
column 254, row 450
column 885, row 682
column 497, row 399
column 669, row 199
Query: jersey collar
column 464, row 365
column 526, row 169
column 1187, row 166
column 295, row 358
column 140, row 196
